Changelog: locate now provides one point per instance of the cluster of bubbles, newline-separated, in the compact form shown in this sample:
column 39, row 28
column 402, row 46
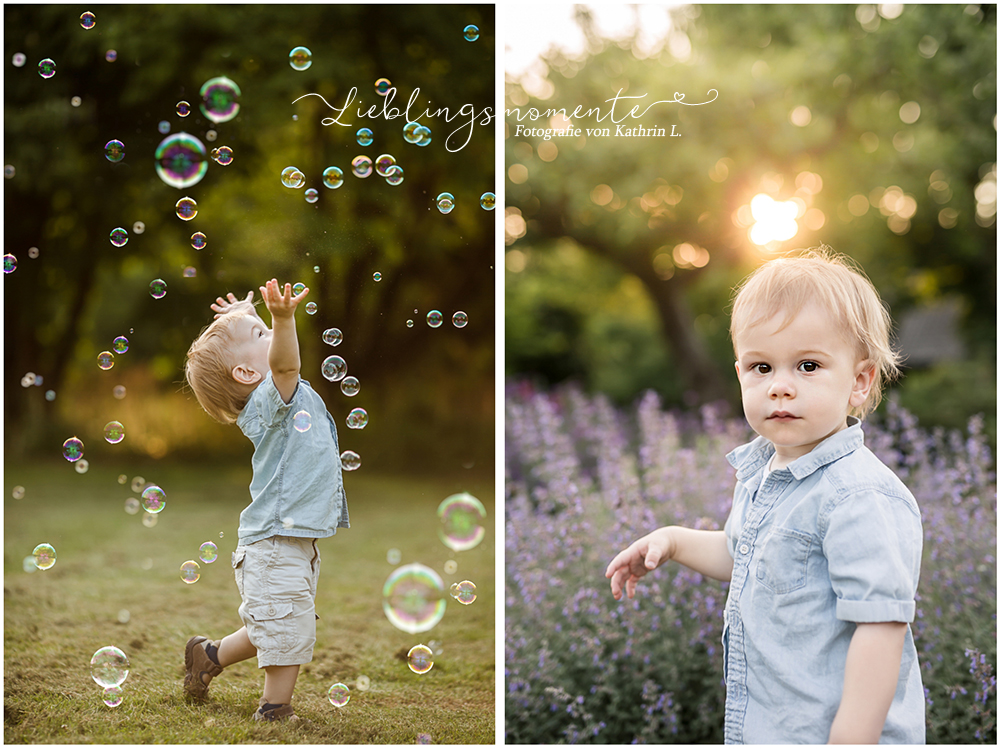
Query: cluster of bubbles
column 109, row 667
column 334, row 368
column 461, row 517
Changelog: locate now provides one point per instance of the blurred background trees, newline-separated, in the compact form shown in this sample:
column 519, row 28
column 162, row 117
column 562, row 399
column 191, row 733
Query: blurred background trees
column 873, row 126
column 429, row 392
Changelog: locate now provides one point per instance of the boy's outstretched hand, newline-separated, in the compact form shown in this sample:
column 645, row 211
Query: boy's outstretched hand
column 642, row 557
column 221, row 305
column 281, row 304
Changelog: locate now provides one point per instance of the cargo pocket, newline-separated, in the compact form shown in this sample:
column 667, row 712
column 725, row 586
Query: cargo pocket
column 238, row 556
column 275, row 625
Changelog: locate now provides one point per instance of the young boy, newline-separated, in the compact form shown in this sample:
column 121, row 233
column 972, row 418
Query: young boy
column 242, row 372
column 822, row 545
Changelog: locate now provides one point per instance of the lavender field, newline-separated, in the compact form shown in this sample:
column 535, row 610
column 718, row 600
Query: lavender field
column 584, row 479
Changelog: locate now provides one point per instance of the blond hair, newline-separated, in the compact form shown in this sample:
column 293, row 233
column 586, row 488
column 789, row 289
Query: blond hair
column 838, row 284
column 208, row 367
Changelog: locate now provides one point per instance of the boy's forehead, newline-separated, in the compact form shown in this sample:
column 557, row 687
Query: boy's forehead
column 813, row 324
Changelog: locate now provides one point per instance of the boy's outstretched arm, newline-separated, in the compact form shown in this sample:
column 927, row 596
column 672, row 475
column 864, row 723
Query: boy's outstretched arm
column 870, row 679
column 283, row 353
column 702, row 551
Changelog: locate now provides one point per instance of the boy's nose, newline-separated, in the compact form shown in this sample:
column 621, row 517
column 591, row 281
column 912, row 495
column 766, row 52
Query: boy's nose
column 781, row 388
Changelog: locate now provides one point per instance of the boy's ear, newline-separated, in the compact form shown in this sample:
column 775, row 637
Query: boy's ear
column 864, row 378
column 737, row 365
column 246, row 375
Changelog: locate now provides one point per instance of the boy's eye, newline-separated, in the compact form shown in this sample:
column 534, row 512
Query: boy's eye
column 761, row 368
column 808, row 366
column 260, row 333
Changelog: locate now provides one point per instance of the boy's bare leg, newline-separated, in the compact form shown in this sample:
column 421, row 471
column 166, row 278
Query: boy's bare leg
column 279, row 683
column 235, row 648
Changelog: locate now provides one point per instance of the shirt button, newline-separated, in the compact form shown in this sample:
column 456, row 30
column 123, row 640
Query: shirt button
column 271, row 611
column 744, row 549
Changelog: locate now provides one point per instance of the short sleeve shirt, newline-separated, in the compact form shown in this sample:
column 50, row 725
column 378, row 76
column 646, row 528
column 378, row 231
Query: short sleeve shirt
column 832, row 540
column 297, row 487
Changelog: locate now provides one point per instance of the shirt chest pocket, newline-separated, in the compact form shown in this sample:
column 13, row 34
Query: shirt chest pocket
column 783, row 561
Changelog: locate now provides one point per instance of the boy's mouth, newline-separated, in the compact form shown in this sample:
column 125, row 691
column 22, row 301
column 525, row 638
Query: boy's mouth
column 782, row 416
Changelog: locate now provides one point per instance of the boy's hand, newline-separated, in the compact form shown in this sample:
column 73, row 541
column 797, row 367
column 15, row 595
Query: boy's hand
column 642, row 557
column 221, row 305
column 280, row 304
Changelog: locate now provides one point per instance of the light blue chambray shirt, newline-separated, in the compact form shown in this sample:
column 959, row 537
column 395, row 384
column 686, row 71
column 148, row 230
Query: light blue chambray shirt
column 831, row 540
column 296, row 475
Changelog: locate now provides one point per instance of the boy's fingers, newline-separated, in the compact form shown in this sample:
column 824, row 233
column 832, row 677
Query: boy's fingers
column 653, row 557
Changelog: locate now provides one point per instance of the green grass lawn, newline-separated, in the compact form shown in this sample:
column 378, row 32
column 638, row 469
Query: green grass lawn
column 108, row 561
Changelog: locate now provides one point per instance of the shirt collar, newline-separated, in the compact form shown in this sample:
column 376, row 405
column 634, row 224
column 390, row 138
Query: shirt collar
column 749, row 458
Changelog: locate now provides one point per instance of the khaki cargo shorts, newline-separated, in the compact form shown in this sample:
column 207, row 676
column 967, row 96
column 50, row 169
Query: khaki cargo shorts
column 277, row 581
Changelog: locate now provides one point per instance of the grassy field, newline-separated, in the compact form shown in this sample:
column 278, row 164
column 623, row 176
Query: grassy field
column 108, row 561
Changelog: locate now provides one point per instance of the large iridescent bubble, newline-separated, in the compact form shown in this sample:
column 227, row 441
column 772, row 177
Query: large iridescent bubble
column 461, row 517
column 413, row 598
column 220, row 99
column 109, row 666
column 181, row 160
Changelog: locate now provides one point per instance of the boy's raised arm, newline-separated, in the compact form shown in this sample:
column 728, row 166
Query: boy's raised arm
column 283, row 354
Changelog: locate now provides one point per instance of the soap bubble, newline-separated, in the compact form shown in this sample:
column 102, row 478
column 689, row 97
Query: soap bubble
column 32, row 252
column 163, row 128
column 450, row 567
column 423, row 135
column 350, row 460
column 208, row 552
column 18, row 492
column 339, row 695
column 87, row 20
column 183, row 109
column 9, row 263
column 302, row 421
column 223, row 155
column 119, row 392
column 46, row 68
column 112, row 696
column 315, row 269
column 409, row 132
column 384, row 163
column 365, row 137
column 119, row 237
column 311, row 308
column 488, row 201
column 362, row 683
column 154, row 499
column 211, row 135
column 409, row 323
column 361, row 166
column 138, row 227
column 114, row 432
column 148, row 520
column 138, row 483
column 8, row 171
column 464, row 592
column 413, row 598
column 19, row 59
column 222, row 534
column 187, row 209
column 190, row 572
column 298, row 288
column 382, row 86
column 292, row 177
column 28, row 380
column 393, row 556
column 350, row 386
column 423, row 738
column 105, row 360
column 333, row 336
column 199, row 240
column 190, row 272
column 220, row 99
column 357, row 418
column 334, row 368
column 114, row 151
column 181, row 160
column 461, row 516
column 460, row 319
column 312, row 195
column 120, row 344
column 122, row 478
column 420, row 659
column 111, row 55
column 109, row 666
column 333, row 177
column 445, row 202
column 471, row 33
column 76, row 101
column 434, row 318
column 395, row 175
column 44, row 556
column 300, row 58
column 28, row 564
column 124, row 616
column 81, row 466
column 157, row 288
column 132, row 505
column 376, row 276
column 73, row 449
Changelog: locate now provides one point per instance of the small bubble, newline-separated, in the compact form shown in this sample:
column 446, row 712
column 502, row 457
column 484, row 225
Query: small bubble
column 434, row 318
column 32, row 252
column 423, row 135
column 464, row 592
column 119, row 237
column 471, row 33
column 423, row 738
column 395, row 175
column 420, row 659
column 332, row 336
column 334, row 368
column 154, row 499
column 190, row 272
column 199, row 240
column 393, row 556
column 18, row 492
column 9, row 171
column 220, row 99
column 73, row 449
column 148, row 520
column 208, row 552
column 302, row 421
column 76, row 101
column 114, row 432
column 9, row 263
column 190, row 572
column 300, row 58
column 361, row 166
column 138, row 482
column 365, row 137
column 124, row 616
column 382, row 86
column 450, row 567
column 292, row 177
column 315, row 269
column 409, row 132
column 461, row 517
column 132, row 505
column 111, row 55
column 183, row 109
column 350, row 460
column 446, row 202
column 28, row 380
column 180, row 160
column 120, row 344
column 119, row 393
column 157, row 288
column 112, row 696
column 105, row 360
column 223, row 155
column 357, row 419
column 114, row 151
column 350, row 386
column 46, row 68
column 109, row 667
column 38, row 380
column 312, row 195
column 19, row 59
column 384, row 163
column 187, row 209
column 460, row 319
column 45, row 556
column 28, row 565
column 339, row 695
column 82, row 465
column 122, row 478
column 138, row 227
column 376, row 276
column 222, row 534
column 409, row 323
column 488, row 201
column 211, row 135
column 87, row 20
column 363, row 683
column 163, row 128
column 333, row 177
